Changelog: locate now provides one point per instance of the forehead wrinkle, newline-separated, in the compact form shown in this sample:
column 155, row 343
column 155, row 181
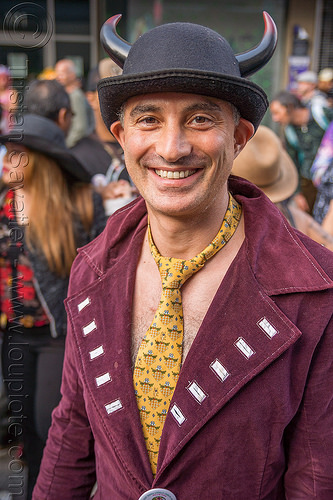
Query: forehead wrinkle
column 143, row 108
column 203, row 106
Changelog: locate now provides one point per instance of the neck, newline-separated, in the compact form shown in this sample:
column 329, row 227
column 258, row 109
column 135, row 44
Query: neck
column 183, row 238
column 72, row 86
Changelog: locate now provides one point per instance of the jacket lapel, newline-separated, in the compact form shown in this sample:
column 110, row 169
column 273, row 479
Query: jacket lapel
column 241, row 335
column 99, row 314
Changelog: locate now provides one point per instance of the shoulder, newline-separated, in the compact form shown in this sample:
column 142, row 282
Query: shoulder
column 123, row 232
column 282, row 258
column 329, row 113
column 76, row 96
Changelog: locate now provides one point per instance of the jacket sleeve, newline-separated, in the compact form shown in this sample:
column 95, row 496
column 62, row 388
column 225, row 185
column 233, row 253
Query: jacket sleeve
column 310, row 437
column 68, row 466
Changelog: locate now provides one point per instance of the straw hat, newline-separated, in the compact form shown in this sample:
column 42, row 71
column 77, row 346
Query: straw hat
column 265, row 162
column 325, row 75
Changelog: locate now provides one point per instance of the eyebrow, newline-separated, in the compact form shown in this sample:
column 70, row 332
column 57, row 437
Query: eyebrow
column 203, row 106
column 197, row 106
column 143, row 108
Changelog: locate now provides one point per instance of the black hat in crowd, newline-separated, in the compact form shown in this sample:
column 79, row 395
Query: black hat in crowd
column 185, row 57
column 41, row 134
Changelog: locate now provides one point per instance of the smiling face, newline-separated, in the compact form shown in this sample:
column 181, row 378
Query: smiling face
column 179, row 150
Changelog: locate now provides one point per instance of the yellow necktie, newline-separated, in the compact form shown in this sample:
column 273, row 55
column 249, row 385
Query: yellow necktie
column 159, row 357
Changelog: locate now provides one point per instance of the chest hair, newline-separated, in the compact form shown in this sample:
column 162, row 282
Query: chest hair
column 197, row 293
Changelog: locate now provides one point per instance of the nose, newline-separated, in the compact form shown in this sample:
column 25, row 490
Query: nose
column 173, row 143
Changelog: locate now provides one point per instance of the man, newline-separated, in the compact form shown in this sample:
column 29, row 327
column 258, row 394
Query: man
column 311, row 96
column 248, row 414
column 105, row 68
column 83, row 122
column 48, row 98
column 303, row 131
column 117, row 188
column 325, row 83
column 307, row 90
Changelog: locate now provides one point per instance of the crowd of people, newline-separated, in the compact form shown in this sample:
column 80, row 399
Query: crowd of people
column 304, row 115
column 194, row 170
column 59, row 173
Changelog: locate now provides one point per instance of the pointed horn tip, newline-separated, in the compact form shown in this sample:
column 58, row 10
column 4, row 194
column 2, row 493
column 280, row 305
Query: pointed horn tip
column 114, row 20
column 269, row 23
column 110, row 23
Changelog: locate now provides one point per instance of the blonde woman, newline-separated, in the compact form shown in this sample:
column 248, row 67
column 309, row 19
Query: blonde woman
column 48, row 209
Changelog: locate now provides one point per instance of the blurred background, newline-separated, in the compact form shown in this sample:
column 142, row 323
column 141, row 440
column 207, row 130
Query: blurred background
column 37, row 34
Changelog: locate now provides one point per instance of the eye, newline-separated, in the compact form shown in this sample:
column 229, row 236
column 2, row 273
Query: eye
column 147, row 120
column 200, row 121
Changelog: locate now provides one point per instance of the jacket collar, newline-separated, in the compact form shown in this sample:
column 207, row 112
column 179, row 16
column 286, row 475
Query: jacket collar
column 293, row 270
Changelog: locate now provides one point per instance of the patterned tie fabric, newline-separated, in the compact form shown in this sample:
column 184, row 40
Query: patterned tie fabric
column 159, row 357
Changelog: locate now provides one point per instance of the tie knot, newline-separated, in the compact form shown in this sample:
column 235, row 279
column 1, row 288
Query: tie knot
column 174, row 272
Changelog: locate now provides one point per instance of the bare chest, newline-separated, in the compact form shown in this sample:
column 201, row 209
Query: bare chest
column 197, row 293
column 194, row 311
column 197, row 296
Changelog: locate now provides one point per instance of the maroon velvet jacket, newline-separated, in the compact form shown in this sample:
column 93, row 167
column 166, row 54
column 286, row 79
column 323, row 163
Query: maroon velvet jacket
column 259, row 424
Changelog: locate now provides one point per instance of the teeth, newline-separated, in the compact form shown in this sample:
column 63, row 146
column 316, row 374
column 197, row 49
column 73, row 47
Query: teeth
column 169, row 174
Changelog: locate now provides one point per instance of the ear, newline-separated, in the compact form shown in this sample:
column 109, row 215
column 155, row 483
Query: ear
column 243, row 133
column 92, row 98
column 63, row 118
column 117, row 131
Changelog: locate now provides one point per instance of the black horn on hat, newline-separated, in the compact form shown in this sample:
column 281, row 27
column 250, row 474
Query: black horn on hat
column 249, row 62
column 254, row 59
column 115, row 46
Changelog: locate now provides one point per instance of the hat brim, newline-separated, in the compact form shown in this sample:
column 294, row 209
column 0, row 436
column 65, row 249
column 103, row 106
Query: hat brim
column 285, row 186
column 66, row 160
column 249, row 98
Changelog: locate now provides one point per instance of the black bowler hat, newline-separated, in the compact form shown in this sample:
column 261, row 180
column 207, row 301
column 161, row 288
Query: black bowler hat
column 185, row 57
column 42, row 134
